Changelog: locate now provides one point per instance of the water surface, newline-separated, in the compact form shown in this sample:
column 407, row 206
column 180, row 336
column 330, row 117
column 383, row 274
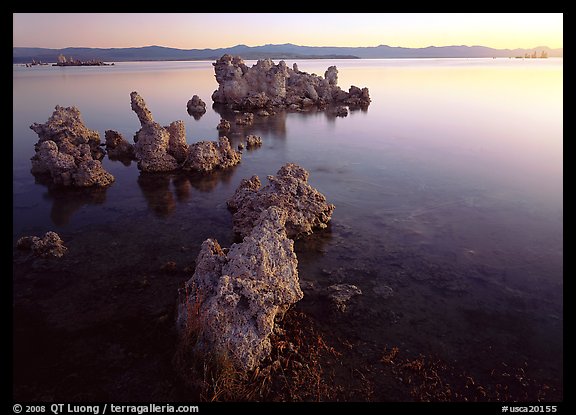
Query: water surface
column 448, row 191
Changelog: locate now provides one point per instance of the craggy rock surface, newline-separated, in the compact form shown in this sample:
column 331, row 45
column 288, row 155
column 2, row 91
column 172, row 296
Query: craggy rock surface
column 306, row 208
column 224, row 126
column 196, row 107
column 152, row 140
column 117, row 147
column 266, row 85
column 91, row 173
column 177, row 145
column 340, row 294
column 340, row 111
column 253, row 141
column 66, row 128
column 68, row 151
column 50, row 246
column 239, row 293
column 161, row 149
column 205, row 156
column 245, row 119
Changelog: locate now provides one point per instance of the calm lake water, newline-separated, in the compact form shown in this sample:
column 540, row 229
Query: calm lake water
column 448, row 192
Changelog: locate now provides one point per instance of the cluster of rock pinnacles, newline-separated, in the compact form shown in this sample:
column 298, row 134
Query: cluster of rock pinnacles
column 242, row 290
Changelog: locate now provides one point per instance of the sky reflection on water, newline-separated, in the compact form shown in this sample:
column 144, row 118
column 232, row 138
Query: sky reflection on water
column 457, row 164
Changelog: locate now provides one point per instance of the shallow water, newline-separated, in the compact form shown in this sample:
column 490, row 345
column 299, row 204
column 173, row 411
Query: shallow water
column 448, row 193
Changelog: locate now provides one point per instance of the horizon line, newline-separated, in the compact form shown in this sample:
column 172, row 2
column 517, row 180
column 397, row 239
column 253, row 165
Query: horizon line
column 282, row 44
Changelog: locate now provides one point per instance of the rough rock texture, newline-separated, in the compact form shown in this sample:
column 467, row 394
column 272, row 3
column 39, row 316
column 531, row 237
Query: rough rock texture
column 306, row 208
column 253, row 141
column 266, row 85
column 224, row 126
column 177, row 145
column 196, row 107
column 340, row 294
column 91, row 173
column 64, row 148
column 205, row 156
column 340, row 111
column 152, row 148
column 245, row 119
column 160, row 149
column 117, row 147
column 240, row 293
column 383, row 291
column 66, row 128
column 51, row 245
column 357, row 97
column 265, row 113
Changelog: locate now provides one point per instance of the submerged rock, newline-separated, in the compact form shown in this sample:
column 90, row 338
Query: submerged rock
column 305, row 207
column 205, row 156
column 267, row 85
column 340, row 294
column 64, row 148
column 383, row 291
column 51, row 245
column 196, row 107
column 240, row 293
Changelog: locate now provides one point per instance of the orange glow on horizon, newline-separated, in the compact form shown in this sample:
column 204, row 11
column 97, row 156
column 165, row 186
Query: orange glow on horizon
column 199, row 31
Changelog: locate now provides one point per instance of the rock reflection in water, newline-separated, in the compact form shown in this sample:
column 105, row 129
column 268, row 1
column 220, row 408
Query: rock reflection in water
column 195, row 115
column 156, row 191
column 262, row 125
column 163, row 198
column 66, row 201
column 274, row 124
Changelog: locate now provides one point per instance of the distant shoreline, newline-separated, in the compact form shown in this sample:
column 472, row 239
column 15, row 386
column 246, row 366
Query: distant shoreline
column 52, row 64
column 285, row 51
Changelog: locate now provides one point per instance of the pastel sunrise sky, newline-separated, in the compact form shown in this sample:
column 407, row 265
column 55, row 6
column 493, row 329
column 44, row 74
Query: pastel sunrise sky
column 218, row 30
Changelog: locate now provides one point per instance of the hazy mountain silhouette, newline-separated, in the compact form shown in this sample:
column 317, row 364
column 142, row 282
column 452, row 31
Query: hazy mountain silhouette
column 283, row 51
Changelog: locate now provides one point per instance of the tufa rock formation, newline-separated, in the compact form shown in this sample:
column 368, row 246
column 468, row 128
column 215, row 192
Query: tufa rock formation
column 253, row 141
column 234, row 296
column 340, row 111
column 68, row 152
column 245, row 119
column 177, row 145
column 305, row 207
column 224, row 126
column 51, row 245
column 162, row 149
column 152, row 140
column 196, row 107
column 117, row 147
column 205, row 156
column 266, row 86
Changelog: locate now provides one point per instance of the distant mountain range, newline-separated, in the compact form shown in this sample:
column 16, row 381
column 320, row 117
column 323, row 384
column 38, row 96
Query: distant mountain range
column 284, row 51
